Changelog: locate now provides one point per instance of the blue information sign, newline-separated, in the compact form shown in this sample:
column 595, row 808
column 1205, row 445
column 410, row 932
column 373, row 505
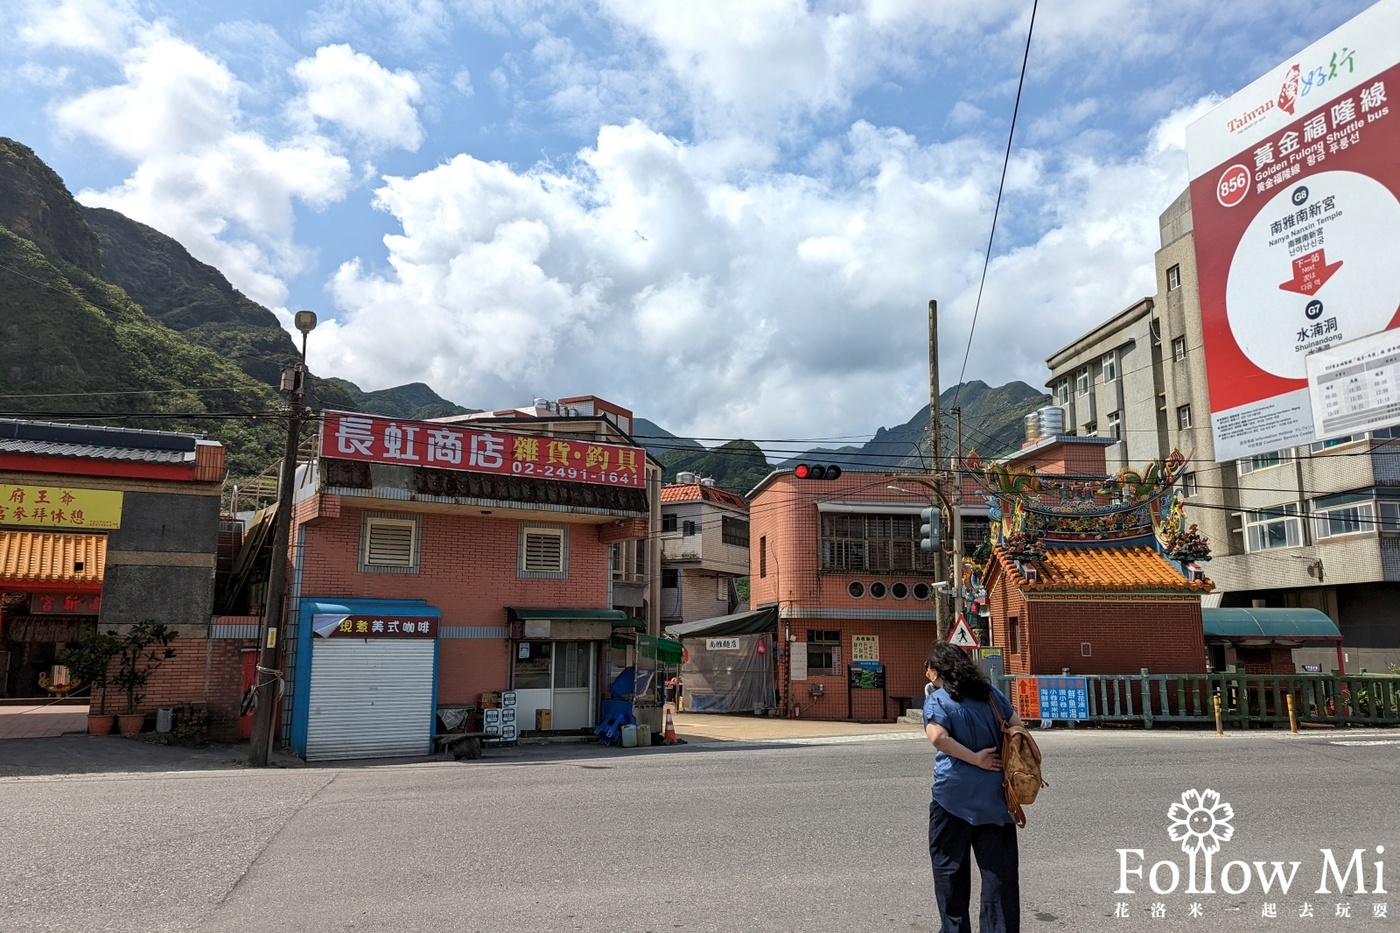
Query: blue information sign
column 1064, row 698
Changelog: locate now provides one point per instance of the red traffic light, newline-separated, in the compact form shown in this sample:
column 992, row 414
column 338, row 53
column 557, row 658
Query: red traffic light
column 817, row 471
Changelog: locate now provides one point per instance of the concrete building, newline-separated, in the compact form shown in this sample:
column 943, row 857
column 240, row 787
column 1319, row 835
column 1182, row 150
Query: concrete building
column 102, row 528
column 840, row 561
column 434, row 562
column 1307, row 527
column 704, row 550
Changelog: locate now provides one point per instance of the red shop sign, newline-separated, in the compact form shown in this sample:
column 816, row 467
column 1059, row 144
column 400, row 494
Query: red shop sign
column 479, row 450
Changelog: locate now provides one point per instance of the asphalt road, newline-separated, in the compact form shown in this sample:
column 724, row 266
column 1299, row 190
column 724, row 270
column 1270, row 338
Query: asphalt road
column 816, row 836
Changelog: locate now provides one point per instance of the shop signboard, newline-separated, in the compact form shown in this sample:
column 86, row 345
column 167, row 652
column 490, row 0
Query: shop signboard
column 61, row 508
column 372, row 439
column 65, row 604
column 865, row 648
column 1295, row 197
column 375, row 626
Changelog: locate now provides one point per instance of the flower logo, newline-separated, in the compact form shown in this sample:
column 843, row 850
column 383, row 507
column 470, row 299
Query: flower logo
column 1200, row 822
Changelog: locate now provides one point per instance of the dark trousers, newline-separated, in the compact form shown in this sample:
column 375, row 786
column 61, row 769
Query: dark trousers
column 952, row 842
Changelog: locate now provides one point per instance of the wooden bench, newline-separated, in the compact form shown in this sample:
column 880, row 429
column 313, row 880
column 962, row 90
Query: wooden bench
column 462, row 744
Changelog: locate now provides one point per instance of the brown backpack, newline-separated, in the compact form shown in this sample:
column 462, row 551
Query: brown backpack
column 1020, row 767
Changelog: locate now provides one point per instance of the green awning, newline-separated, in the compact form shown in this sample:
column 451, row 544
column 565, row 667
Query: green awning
column 662, row 650
column 1271, row 624
column 741, row 623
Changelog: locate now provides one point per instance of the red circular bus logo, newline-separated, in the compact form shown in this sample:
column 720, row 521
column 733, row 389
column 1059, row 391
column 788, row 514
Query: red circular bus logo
column 1233, row 185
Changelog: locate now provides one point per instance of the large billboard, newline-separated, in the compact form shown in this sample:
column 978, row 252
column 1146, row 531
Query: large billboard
column 1295, row 198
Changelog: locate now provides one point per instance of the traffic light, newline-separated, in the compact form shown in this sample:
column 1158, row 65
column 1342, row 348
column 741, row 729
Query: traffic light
column 931, row 531
column 817, row 471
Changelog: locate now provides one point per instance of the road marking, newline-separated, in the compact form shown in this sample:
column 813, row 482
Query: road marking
column 1371, row 742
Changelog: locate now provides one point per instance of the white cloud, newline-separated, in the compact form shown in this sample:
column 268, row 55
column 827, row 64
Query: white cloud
column 406, row 24
column 724, row 295
column 98, row 26
column 225, row 192
column 176, row 98
column 352, row 90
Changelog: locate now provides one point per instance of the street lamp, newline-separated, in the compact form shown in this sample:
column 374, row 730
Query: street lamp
column 952, row 507
column 269, row 670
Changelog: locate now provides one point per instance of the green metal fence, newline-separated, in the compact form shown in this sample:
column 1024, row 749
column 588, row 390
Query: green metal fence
column 1246, row 700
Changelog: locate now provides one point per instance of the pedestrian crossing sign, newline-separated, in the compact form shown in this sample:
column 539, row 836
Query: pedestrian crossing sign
column 962, row 635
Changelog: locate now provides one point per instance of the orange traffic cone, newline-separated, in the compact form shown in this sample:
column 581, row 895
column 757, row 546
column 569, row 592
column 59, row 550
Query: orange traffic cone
column 671, row 737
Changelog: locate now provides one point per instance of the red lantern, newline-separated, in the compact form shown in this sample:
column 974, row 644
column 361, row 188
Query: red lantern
column 763, row 646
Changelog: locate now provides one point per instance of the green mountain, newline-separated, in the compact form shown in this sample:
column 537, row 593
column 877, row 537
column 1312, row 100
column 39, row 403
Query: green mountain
column 736, row 466
column 992, row 424
column 107, row 320
column 77, row 348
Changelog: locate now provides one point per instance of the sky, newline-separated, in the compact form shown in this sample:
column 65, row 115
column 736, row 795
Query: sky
column 728, row 216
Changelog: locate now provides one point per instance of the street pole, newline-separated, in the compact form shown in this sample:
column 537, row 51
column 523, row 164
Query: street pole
column 269, row 673
column 935, row 440
column 955, row 496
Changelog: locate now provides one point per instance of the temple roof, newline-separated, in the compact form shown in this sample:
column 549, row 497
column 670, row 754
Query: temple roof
column 1098, row 570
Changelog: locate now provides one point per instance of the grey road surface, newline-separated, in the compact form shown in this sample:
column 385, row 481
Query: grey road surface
column 814, row 836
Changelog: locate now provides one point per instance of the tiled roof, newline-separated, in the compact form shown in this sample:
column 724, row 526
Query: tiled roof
column 1102, row 569
column 691, row 492
column 51, row 557
column 95, row 442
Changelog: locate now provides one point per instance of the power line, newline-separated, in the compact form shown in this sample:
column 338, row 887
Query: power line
column 996, row 209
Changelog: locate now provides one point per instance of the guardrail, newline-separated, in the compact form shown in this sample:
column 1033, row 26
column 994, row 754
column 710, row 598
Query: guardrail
column 1246, row 700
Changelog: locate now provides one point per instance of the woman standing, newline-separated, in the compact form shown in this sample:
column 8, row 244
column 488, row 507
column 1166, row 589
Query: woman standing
column 968, row 814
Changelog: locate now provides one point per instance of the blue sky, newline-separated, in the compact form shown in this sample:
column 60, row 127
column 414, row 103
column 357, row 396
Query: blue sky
column 728, row 216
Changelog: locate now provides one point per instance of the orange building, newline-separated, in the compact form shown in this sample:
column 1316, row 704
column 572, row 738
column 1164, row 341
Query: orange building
column 840, row 561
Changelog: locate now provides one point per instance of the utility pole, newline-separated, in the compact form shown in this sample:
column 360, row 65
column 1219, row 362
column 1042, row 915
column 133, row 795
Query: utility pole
column 269, row 671
column 955, row 496
column 935, row 440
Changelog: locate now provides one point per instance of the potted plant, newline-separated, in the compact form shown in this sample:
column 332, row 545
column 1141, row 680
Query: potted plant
column 144, row 648
column 89, row 662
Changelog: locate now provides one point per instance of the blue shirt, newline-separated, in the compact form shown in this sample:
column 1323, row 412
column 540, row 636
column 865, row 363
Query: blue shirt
column 967, row 791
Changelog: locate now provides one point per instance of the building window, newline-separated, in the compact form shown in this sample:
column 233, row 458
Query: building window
column 1110, row 366
column 1390, row 516
column 1173, row 278
column 1115, row 425
column 1385, row 434
column 1273, row 528
column 1343, row 516
column 388, row 544
column 668, row 521
column 1188, row 484
column 1319, row 446
column 823, row 652
column 544, row 551
column 1183, row 416
column 722, row 589
column 1062, row 392
column 1091, row 429
column 1013, row 631
column 1262, row 461
column 856, row 589
column 1178, row 348
column 734, row 531
column 687, row 529
column 763, row 556
column 670, row 579
column 1081, row 382
column 853, row 543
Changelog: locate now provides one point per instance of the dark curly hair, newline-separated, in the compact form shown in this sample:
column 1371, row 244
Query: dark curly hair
column 961, row 678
